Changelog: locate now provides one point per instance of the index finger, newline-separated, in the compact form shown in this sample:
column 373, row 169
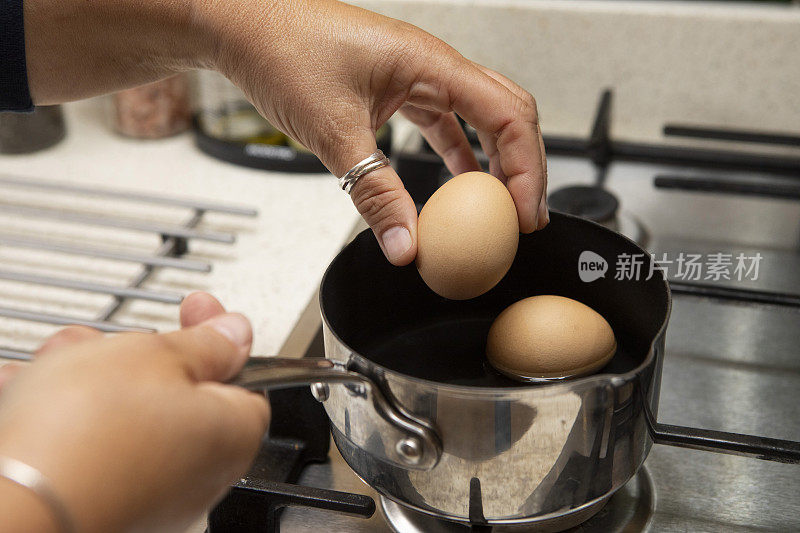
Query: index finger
column 508, row 118
column 513, row 122
column 543, row 213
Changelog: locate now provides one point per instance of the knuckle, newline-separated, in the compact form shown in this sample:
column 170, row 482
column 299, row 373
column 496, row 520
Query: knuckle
column 418, row 55
column 510, row 133
column 528, row 99
column 526, row 108
column 71, row 334
column 147, row 352
column 411, row 39
column 438, row 48
column 376, row 200
column 158, row 346
column 404, row 46
column 80, row 332
column 334, row 142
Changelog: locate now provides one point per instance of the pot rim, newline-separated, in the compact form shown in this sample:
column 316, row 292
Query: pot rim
column 552, row 387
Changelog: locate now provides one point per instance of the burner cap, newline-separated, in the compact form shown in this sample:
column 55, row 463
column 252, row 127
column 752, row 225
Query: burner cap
column 592, row 203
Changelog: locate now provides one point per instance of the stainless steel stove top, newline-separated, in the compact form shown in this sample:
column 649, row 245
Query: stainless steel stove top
column 729, row 366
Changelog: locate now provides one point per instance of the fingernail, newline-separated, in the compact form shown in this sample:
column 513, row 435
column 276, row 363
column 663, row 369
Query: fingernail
column 396, row 242
column 234, row 327
column 543, row 217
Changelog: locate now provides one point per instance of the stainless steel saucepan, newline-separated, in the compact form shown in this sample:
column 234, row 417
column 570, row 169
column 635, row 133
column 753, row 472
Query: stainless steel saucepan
column 419, row 414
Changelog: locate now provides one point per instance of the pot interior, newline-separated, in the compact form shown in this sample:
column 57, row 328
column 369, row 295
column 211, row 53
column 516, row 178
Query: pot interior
column 388, row 315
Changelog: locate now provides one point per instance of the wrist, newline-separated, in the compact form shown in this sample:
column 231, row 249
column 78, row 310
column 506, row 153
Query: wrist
column 178, row 33
column 22, row 510
column 236, row 31
column 206, row 29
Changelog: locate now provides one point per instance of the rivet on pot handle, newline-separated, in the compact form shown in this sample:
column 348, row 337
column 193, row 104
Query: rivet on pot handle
column 320, row 391
column 417, row 446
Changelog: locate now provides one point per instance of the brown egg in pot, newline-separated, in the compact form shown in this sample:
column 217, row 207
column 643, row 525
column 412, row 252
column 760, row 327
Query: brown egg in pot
column 468, row 233
column 549, row 337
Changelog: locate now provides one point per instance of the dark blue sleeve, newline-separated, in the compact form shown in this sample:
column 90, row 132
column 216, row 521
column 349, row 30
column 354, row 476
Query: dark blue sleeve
column 14, row 93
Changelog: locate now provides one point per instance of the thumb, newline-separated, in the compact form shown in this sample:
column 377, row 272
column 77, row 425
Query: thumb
column 214, row 350
column 387, row 207
column 381, row 199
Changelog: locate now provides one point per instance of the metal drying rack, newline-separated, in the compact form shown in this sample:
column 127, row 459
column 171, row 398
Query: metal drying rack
column 174, row 245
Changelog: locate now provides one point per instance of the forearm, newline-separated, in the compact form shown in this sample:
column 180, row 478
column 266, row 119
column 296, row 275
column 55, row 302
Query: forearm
column 81, row 48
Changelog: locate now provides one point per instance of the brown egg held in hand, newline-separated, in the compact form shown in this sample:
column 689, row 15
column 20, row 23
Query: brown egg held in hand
column 467, row 236
column 549, row 337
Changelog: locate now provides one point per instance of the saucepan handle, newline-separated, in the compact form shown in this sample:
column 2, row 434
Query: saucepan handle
column 268, row 373
column 416, row 445
column 782, row 451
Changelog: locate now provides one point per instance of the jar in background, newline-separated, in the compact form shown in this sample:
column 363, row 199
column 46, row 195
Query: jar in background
column 153, row 111
column 224, row 114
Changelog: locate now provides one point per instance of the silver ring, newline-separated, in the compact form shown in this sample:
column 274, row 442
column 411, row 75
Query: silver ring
column 361, row 169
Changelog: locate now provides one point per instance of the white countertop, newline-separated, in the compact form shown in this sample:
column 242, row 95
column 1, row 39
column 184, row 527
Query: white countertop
column 269, row 274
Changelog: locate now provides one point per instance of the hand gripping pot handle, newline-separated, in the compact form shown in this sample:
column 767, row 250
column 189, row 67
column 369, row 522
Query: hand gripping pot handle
column 416, row 444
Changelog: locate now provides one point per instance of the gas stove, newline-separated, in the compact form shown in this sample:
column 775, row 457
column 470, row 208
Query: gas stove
column 724, row 201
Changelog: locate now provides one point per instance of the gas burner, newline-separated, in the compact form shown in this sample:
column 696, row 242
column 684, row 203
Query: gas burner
column 631, row 227
column 629, row 509
column 598, row 205
column 592, row 203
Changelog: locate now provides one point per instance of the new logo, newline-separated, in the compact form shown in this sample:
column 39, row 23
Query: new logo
column 591, row 266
